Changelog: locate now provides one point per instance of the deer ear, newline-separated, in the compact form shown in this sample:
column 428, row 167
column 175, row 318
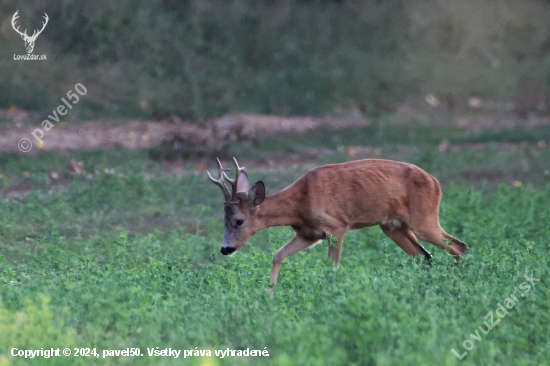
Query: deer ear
column 257, row 193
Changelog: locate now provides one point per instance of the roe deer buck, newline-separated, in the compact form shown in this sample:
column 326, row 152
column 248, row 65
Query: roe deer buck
column 329, row 200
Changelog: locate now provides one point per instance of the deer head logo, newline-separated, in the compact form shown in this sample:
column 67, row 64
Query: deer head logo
column 29, row 41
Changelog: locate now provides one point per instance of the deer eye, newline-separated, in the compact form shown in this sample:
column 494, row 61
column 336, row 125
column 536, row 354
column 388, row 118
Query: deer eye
column 239, row 222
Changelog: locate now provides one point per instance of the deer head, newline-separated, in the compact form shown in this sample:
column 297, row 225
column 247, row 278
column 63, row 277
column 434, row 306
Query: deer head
column 29, row 41
column 239, row 208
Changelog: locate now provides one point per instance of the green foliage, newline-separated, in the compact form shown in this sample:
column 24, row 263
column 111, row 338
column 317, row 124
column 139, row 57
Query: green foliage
column 32, row 328
column 122, row 261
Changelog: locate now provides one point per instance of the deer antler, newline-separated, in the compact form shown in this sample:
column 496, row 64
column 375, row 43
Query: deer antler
column 239, row 185
column 35, row 34
column 219, row 182
column 13, row 19
column 24, row 34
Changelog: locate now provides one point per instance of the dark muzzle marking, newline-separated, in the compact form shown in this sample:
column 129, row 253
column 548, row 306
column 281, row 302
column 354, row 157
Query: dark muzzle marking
column 227, row 250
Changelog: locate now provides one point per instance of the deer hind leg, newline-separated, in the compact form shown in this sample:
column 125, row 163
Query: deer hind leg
column 436, row 235
column 458, row 244
column 293, row 246
column 424, row 221
column 404, row 237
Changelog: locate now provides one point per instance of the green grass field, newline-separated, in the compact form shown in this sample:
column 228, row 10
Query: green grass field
column 132, row 259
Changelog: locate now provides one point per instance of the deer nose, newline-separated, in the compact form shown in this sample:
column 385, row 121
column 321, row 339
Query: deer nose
column 227, row 250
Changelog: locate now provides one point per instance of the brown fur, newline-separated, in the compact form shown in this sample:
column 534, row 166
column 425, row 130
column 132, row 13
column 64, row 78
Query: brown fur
column 329, row 200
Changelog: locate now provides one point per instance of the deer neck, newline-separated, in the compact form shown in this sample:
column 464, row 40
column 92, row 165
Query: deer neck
column 279, row 209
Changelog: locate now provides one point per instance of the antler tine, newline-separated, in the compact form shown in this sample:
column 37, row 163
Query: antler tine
column 238, row 170
column 219, row 182
column 237, row 165
column 237, row 182
column 36, row 33
column 44, row 23
column 13, row 19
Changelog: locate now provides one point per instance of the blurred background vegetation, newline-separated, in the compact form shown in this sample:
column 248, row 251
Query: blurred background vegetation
column 198, row 59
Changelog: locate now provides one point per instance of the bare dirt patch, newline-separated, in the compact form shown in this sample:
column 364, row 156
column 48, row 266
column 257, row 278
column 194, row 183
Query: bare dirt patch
column 208, row 136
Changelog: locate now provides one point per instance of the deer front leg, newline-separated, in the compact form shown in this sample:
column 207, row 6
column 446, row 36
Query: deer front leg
column 334, row 251
column 294, row 246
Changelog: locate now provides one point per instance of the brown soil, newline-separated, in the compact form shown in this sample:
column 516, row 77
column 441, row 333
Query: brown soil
column 212, row 135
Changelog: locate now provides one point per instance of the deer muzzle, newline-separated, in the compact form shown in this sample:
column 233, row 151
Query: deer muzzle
column 228, row 250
